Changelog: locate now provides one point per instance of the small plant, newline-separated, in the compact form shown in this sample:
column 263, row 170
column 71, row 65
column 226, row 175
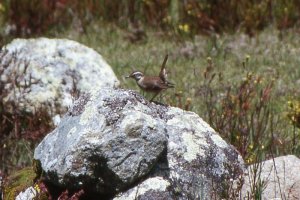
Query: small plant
column 294, row 117
column 294, row 113
column 180, row 101
column 240, row 112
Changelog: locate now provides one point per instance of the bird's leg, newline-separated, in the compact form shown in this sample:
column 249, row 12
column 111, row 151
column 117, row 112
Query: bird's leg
column 154, row 96
column 161, row 95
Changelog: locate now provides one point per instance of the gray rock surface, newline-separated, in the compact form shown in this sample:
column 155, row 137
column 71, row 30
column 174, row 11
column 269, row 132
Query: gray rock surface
column 198, row 164
column 29, row 194
column 103, row 143
column 280, row 178
column 48, row 71
column 152, row 188
column 112, row 140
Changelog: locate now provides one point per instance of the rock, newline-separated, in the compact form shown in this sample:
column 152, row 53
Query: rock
column 29, row 194
column 280, row 182
column 112, row 140
column 152, row 188
column 198, row 164
column 105, row 143
column 48, row 71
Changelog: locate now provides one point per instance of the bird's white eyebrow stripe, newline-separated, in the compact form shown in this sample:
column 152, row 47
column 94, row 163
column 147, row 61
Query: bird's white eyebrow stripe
column 135, row 73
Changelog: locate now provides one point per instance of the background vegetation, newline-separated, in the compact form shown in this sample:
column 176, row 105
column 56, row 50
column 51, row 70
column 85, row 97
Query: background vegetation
column 35, row 17
column 235, row 63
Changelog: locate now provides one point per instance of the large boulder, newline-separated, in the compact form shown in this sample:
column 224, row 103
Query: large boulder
column 47, row 72
column 279, row 178
column 114, row 141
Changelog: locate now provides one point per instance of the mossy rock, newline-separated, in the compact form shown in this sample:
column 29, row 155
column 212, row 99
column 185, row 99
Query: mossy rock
column 17, row 182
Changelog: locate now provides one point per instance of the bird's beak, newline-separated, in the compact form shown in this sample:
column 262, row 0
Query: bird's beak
column 127, row 76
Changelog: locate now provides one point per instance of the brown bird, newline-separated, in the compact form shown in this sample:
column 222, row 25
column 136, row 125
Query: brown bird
column 153, row 84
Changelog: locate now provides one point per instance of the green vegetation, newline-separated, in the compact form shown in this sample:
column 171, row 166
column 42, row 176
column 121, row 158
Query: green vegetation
column 18, row 182
column 235, row 63
column 262, row 73
column 192, row 16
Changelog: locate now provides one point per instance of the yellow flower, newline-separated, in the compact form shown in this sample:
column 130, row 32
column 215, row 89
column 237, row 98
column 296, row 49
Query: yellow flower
column 251, row 146
column 37, row 188
column 184, row 27
column 2, row 9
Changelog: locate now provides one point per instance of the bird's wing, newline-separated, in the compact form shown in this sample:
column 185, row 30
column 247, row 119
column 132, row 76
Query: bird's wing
column 154, row 84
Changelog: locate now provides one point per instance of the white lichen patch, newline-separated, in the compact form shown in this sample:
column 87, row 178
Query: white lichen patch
column 186, row 117
column 172, row 161
column 136, row 120
column 155, row 183
column 93, row 94
column 192, row 142
column 178, row 120
column 193, row 149
column 202, row 125
column 88, row 113
column 56, row 120
column 174, row 175
column 40, row 97
column 219, row 141
column 173, row 146
column 29, row 193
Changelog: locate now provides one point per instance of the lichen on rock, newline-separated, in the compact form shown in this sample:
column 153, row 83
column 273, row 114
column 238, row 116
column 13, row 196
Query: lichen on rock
column 113, row 141
column 50, row 71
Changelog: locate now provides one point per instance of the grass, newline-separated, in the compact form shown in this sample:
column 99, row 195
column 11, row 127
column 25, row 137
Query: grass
column 266, row 55
column 270, row 56
column 18, row 182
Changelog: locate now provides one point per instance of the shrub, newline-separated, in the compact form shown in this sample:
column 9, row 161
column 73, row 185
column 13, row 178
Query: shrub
column 27, row 17
column 241, row 112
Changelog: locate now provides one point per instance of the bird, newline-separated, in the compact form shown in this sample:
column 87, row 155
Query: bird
column 153, row 84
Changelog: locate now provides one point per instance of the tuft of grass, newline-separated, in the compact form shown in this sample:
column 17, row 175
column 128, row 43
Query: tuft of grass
column 17, row 182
